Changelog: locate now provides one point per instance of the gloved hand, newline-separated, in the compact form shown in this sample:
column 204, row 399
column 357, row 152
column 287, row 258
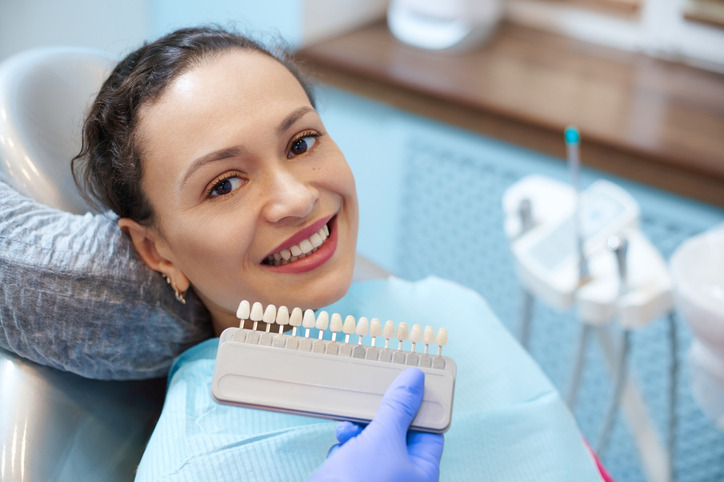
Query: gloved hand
column 384, row 450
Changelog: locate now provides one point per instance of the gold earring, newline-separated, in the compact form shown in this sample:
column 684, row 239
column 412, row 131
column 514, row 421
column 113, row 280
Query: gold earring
column 180, row 295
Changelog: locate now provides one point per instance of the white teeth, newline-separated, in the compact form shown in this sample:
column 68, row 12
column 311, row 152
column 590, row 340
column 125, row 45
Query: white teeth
column 298, row 251
column 306, row 246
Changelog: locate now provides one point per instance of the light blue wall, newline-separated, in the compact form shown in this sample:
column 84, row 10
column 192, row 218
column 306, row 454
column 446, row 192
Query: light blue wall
column 119, row 27
column 259, row 19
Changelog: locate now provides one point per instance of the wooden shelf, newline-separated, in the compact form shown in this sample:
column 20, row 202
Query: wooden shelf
column 645, row 119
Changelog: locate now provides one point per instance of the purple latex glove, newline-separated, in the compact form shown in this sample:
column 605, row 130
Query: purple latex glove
column 384, row 450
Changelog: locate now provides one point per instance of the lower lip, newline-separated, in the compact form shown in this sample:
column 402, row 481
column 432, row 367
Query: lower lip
column 314, row 260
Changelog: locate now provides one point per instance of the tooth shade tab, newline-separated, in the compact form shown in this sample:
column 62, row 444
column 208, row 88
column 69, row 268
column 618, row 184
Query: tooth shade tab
column 244, row 310
column 362, row 328
column 428, row 337
column 322, row 320
column 295, row 319
column 283, row 316
column 441, row 340
column 402, row 333
column 375, row 329
column 335, row 323
column 308, row 321
column 257, row 312
column 348, row 327
column 388, row 332
column 415, row 335
column 270, row 314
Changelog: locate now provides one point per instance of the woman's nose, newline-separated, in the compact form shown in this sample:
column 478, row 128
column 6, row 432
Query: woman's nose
column 289, row 197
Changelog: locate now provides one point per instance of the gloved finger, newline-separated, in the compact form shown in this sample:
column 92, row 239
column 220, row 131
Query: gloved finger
column 401, row 402
column 347, row 430
column 425, row 449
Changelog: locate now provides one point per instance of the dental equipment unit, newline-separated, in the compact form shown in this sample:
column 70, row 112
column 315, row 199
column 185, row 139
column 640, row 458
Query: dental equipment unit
column 327, row 378
column 584, row 249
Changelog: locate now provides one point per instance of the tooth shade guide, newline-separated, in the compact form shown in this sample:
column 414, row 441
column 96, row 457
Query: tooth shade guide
column 281, row 317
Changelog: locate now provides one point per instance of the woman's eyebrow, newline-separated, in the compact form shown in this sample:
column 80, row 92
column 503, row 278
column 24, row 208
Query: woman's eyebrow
column 219, row 155
column 292, row 118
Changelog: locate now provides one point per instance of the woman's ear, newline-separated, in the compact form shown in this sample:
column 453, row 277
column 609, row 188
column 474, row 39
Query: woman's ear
column 146, row 241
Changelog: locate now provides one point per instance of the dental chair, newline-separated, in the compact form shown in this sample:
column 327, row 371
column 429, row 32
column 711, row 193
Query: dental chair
column 56, row 425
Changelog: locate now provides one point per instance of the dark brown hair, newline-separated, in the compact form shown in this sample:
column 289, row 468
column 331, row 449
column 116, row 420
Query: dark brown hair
column 108, row 170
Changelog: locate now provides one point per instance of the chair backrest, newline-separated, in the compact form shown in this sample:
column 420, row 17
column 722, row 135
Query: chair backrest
column 44, row 94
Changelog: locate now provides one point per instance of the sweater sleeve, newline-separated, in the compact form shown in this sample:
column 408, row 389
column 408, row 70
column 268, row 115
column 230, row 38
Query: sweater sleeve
column 74, row 295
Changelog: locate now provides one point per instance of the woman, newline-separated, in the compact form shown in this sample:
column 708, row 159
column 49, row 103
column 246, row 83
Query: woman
column 211, row 153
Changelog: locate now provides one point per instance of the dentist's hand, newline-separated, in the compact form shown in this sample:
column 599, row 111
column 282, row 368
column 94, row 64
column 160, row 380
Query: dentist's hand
column 385, row 450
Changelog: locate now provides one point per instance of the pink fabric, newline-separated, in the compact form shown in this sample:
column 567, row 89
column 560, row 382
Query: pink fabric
column 601, row 469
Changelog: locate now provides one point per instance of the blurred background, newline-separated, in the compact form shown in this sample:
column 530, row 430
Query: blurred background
column 443, row 107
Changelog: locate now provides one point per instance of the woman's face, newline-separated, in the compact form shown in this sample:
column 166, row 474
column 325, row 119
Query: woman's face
column 242, row 175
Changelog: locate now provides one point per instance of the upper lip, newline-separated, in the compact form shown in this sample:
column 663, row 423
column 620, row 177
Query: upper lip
column 301, row 235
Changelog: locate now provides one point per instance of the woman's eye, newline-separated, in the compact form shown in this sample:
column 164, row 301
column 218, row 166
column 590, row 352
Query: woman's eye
column 302, row 145
column 225, row 186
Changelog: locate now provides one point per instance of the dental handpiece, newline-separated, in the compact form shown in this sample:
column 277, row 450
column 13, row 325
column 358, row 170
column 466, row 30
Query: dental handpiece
column 619, row 246
column 574, row 164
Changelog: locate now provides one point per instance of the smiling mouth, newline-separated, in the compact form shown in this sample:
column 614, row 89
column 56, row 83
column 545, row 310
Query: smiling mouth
column 300, row 250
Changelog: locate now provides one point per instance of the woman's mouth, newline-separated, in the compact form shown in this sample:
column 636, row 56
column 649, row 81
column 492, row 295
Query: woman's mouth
column 300, row 250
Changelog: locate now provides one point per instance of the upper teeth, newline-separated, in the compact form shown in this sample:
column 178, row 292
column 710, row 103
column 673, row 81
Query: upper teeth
column 304, row 248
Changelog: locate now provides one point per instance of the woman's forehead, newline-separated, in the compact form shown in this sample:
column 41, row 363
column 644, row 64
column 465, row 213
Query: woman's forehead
column 246, row 74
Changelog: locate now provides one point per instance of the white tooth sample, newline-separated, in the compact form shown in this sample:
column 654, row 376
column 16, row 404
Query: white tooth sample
column 277, row 256
column 335, row 324
column 415, row 335
column 308, row 321
column 363, row 327
column 322, row 233
column 388, row 332
column 286, row 254
column 375, row 329
column 326, row 230
column 322, row 323
column 428, row 337
column 244, row 309
column 296, row 250
column 402, row 333
column 441, row 340
column 282, row 318
column 316, row 240
column 348, row 327
column 295, row 319
column 270, row 314
column 257, row 312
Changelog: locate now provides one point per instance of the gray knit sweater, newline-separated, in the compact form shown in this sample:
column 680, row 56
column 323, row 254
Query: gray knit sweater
column 74, row 295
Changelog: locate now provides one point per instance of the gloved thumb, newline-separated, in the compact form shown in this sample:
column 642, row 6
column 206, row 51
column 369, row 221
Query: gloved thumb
column 401, row 402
